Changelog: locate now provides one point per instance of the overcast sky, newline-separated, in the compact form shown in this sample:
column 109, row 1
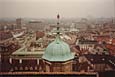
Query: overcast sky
column 50, row 8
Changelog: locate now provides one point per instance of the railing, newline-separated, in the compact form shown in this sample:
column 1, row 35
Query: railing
column 49, row 74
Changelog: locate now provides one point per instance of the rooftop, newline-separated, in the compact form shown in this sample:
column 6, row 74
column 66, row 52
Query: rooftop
column 24, row 53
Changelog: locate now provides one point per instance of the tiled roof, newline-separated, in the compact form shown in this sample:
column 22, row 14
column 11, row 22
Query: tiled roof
column 39, row 34
column 5, row 35
column 101, row 59
column 111, row 48
column 87, row 42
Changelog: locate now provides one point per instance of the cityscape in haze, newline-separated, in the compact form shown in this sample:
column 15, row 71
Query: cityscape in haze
column 61, row 38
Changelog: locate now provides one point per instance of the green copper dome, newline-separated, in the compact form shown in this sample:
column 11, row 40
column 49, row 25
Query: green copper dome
column 58, row 50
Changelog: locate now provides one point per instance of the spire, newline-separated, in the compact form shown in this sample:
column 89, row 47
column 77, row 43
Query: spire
column 58, row 17
column 58, row 32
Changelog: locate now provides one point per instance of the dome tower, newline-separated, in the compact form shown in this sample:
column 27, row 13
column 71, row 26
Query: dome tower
column 57, row 56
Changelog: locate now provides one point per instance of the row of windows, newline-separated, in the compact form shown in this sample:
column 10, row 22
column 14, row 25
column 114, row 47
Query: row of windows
column 11, row 61
column 24, row 68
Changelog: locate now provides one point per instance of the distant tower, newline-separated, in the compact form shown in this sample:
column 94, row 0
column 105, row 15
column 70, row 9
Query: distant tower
column 57, row 56
column 18, row 23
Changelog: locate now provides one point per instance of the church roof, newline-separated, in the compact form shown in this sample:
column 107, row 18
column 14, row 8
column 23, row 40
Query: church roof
column 24, row 53
column 58, row 50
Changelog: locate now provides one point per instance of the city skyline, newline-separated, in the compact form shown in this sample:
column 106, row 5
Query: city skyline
column 49, row 8
column 33, row 42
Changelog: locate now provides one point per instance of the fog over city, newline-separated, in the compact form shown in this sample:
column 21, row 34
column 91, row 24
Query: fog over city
column 49, row 8
column 73, row 38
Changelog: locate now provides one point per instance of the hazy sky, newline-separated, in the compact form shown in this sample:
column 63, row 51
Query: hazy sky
column 50, row 8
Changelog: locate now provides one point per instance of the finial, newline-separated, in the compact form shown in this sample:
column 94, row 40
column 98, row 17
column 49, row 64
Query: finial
column 58, row 16
column 58, row 30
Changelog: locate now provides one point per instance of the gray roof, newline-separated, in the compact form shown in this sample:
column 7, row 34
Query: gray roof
column 23, row 53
